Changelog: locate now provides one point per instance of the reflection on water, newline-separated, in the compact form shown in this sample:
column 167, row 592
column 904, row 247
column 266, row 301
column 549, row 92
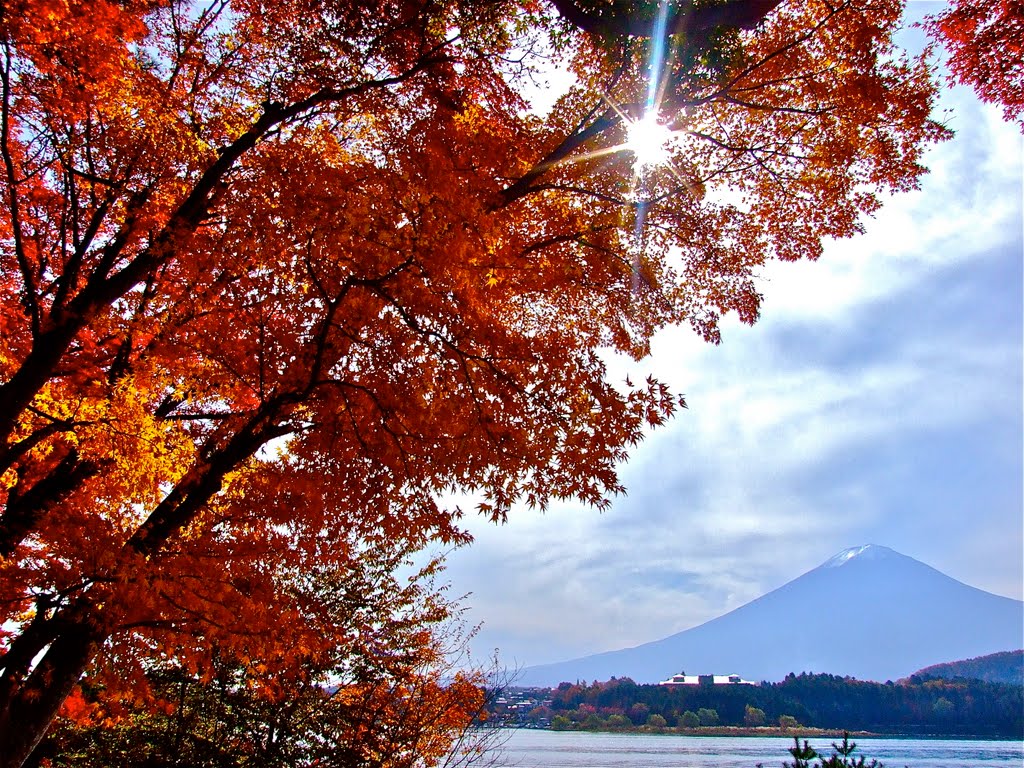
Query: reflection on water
column 552, row 749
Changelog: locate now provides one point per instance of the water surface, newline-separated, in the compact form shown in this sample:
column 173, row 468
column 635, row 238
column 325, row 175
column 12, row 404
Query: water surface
column 560, row 749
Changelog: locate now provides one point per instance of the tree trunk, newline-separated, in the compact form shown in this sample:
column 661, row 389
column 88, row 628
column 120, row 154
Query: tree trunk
column 30, row 710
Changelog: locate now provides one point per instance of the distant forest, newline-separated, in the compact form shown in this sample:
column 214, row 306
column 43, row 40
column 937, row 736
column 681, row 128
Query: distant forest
column 918, row 705
column 1005, row 667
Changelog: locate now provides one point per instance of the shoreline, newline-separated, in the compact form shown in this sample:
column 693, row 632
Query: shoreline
column 801, row 732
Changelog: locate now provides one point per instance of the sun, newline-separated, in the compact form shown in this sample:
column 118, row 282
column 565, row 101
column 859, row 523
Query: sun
column 648, row 140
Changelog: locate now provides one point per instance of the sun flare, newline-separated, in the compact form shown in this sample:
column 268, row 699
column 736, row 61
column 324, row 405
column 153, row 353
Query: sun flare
column 648, row 140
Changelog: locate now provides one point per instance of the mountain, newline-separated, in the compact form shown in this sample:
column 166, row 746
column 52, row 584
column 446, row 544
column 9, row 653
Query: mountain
column 1005, row 667
column 868, row 612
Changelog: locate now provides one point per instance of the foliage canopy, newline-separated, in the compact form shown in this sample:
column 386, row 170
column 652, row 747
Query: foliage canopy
column 985, row 39
column 276, row 276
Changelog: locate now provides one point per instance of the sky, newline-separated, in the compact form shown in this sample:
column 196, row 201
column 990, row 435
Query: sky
column 877, row 400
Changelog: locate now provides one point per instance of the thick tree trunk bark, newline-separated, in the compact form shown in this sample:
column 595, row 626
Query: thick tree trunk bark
column 31, row 709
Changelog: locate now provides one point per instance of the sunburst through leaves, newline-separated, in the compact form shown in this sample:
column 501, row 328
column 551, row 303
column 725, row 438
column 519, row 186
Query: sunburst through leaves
column 649, row 140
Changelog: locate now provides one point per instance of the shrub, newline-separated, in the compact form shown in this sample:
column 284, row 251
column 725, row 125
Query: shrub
column 560, row 723
column 788, row 721
column 619, row 722
column 656, row 721
column 707, row 716
column 753, row 716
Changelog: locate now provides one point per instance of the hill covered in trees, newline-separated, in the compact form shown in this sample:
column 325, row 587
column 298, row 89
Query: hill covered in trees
column 917, row 706
column 1006, row 667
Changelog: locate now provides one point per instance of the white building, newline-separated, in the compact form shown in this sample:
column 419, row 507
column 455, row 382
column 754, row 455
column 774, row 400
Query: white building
column 684, row 679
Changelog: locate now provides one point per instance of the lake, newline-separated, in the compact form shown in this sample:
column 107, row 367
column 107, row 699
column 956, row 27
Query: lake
column 559, row 749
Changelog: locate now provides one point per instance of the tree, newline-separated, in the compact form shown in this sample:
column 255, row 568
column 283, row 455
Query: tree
column 560, row 723
column 657, row 722
column 279, row 276
column 353, row 702
column 802, row 756
column 638, row 713
column 707, row 717
column 689, row 719
column 943, row 708
column 753, row 716
column 985, row 39
column 841, row 757
column 618, row 722
column 788, row 721
column 224, row 721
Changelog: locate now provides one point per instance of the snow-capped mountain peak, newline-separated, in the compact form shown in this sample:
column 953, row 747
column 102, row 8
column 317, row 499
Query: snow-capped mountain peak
column 863, row 552
column 880, row 617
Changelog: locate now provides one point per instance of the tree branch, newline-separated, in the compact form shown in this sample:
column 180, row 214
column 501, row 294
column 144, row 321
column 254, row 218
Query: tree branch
column 626, row 20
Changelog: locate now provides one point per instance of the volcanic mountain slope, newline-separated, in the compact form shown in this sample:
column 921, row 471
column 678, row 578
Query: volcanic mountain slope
column 868, row 612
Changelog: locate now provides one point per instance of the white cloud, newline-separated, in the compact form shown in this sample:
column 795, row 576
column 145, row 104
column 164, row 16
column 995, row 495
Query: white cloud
column 967, row 203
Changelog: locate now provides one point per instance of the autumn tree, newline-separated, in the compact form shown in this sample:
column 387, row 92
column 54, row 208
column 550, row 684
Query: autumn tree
column 388, row 691
column 277, row 276
column 985, row 40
